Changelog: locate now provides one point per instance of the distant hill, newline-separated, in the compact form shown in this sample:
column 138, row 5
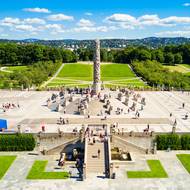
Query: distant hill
column 151, row 42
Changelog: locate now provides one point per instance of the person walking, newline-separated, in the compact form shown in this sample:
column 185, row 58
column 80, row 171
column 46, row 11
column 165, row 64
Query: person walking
column 98, row 153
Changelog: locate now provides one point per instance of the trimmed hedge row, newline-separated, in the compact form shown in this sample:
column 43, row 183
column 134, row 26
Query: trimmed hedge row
column 173, row 141
column 17, row 142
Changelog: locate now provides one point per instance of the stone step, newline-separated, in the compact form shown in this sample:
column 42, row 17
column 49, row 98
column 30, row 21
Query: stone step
column 91, row 162
column 95, row 171
column 95, row 164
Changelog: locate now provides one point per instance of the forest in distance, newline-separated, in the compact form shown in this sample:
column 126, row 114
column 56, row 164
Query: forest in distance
column 43, row 61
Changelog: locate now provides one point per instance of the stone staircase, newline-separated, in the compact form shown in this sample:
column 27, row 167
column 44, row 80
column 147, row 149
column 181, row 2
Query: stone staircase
column 95, row 164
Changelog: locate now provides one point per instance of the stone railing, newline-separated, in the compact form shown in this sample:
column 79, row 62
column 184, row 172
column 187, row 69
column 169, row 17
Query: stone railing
column 123, row 143
column 59, row 147
column 85, row 158
column 110, row 164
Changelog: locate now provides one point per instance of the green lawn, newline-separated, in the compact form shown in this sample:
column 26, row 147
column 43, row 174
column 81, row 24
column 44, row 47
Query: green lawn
column 182, row 68
column 185, row 160
column 38, row 172
column 5, row 163
column 17, row 68
column 156, row 171
column 186, row 65
column 78, row 71
column 78, row 74
column 115, row 71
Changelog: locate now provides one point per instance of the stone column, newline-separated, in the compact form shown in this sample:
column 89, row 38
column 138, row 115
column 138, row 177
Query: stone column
column 97, row 82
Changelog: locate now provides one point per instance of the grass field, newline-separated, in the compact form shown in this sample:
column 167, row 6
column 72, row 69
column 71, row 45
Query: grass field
column 12, row 69
column 182, row 68
column 77, row 71
column 186, row 65
column 5, row 163
column 38, row 172
column 17, row 68
column 115, row 71
column 81, row 75
column 156, row 171
column 185, row 160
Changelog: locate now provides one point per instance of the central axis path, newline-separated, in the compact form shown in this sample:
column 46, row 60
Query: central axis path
column 95, row 161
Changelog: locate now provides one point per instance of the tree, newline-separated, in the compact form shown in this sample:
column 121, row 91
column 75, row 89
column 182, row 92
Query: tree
column 178, row 58
column 144, row 55
column 55, row 55
column 104, row 55
column 169, row 58
column 158, row 56
column 68, row 56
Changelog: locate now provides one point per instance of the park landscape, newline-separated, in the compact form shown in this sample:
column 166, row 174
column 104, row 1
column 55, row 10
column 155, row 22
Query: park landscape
column 89, row 100
column 72, row 128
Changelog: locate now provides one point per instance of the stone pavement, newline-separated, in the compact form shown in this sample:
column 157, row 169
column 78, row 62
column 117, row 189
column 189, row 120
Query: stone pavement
column 159, row 105
column 179, row 178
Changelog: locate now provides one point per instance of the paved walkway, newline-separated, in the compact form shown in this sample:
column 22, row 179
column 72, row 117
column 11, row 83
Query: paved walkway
column 33, row 110
column 54, row 76
column 179, row 178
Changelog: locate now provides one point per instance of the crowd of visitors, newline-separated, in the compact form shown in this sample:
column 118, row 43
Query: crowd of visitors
column 7, row 106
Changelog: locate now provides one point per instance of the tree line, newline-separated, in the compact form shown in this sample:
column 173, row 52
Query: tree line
column 156, row 75
column 35, row 74
column 28, row 54
column 17, row 54
column 169, row 55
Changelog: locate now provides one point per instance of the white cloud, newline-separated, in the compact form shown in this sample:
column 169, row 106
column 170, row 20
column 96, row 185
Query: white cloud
column 54, row 28
column 148, row 17
column 179, row 33
column 34, row 21
column 88, row 14
column 175, row 20
column 129, row 22
column 152, row 20
column 24, row 27
column 85, row 23
column 92, row 29
column 9, row 21
column 186, row 4
column 121, row 18
column 37, row 10
column 60, row 17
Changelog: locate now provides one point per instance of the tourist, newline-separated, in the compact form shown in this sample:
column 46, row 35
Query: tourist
column 99, row 153
column 122, row 130
column 175, row 123
column 183, row 105
column 43, row 128
column 148, row 127
column 186, row 116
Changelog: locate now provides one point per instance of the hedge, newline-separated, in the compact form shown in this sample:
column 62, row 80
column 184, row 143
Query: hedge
column 173, row 141
column 185, row 142
column 17, row 142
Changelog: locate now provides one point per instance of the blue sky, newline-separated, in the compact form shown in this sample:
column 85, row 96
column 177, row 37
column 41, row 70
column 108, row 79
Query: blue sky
column 89, row 19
